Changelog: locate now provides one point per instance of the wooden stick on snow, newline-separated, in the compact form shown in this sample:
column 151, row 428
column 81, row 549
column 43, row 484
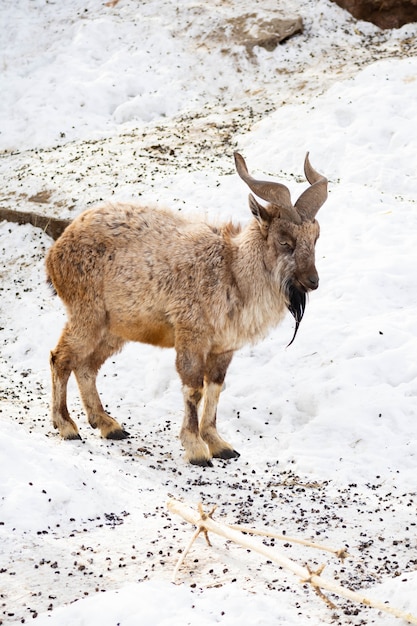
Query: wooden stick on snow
column 341, row 554
column 205, row 523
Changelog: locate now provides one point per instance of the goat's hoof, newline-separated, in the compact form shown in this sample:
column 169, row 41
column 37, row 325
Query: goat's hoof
column 74, row 437
column 227, row 454
column 118, row 434
column 202, row 462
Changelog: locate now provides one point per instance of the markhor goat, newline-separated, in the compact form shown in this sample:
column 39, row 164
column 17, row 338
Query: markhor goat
column 134, row 273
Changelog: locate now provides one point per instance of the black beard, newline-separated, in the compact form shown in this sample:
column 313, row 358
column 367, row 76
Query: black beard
column 296, row 306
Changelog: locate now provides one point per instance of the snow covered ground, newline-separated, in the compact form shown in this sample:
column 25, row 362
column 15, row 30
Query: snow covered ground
column 145, row 101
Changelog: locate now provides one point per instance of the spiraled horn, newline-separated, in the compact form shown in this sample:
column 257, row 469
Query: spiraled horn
column 272, row 192
column 312, row 198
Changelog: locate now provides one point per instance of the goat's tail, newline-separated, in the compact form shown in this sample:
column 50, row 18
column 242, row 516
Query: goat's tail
column 51, row 285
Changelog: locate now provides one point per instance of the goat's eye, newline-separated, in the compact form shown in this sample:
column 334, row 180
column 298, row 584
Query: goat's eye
column 287, row 245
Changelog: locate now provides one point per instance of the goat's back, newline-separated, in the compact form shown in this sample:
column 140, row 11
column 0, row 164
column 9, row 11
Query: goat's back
column 132, row 257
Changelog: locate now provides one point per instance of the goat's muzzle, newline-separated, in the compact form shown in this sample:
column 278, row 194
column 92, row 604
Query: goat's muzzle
column 296, row 305
column 313, row 281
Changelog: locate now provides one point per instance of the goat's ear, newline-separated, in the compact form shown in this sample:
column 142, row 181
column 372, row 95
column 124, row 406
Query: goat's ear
column 260, row 213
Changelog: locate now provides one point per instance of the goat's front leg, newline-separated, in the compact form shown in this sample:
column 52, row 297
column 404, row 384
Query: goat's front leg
column 196, row 451
column 190, row 366
column 216, row 367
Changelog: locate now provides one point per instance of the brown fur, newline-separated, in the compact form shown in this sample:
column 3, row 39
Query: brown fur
column 135, row 273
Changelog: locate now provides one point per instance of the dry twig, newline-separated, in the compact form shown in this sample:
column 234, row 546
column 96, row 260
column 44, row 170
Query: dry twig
column 341, row 554
column 205, row 523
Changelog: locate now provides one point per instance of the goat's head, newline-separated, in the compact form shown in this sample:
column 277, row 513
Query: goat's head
column 290, row 231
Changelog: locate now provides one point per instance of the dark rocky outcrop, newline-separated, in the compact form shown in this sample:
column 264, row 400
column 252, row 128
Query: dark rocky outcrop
column 383, row 13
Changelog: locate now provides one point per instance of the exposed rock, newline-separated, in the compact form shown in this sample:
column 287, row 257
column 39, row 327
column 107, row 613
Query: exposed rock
column 225, row 29
column 383, row 13
column 252, row 30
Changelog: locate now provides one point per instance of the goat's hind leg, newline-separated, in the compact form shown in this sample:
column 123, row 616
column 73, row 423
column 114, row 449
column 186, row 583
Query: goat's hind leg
column 62, row 362
column 86, row 373
column 216, row 368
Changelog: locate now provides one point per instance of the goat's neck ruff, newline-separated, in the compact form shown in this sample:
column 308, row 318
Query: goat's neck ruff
column 263, row 292
column 253, row 275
